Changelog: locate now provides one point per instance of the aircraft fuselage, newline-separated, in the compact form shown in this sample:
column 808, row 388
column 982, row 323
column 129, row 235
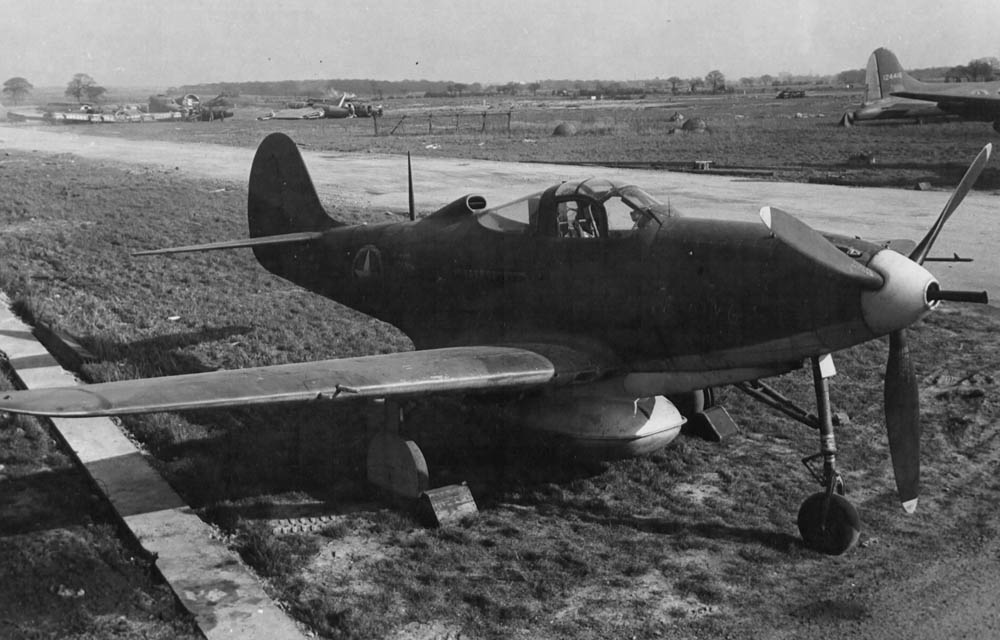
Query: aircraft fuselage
column 659, row 298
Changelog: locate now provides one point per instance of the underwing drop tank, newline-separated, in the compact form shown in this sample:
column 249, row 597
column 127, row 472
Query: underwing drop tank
column 601, row 421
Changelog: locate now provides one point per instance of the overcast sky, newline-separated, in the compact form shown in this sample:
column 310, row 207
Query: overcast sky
column 163, row 43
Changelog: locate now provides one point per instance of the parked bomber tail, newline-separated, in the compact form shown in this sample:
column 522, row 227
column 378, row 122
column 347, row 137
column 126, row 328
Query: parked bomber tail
column 885, row 75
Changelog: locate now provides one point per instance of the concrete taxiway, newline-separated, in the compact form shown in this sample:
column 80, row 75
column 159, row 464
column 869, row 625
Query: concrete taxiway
column 378, row 182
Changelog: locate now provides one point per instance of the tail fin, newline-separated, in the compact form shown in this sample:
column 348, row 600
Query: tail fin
column 281, row 198
column 885, row 75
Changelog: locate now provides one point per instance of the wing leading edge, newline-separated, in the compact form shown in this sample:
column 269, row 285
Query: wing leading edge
column 454, row 369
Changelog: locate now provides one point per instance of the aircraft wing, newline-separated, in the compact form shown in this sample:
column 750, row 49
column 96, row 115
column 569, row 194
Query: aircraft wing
column 474, row 368
column 986, row 100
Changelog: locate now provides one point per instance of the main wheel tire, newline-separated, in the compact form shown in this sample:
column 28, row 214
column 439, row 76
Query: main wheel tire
column 838, row 534
column 694, row 402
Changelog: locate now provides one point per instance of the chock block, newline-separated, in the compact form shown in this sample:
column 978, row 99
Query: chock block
column 446, row 505
column 713, row 424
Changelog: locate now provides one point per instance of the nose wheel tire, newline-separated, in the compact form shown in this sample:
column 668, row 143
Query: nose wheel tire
column 834, row 532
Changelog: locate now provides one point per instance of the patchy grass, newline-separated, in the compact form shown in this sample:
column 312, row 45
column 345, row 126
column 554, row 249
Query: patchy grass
column 697, row 540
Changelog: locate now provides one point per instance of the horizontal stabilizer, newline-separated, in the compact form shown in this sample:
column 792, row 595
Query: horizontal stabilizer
column 286, row 238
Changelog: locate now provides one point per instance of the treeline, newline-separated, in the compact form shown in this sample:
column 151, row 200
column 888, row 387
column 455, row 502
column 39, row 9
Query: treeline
column 714, row 82
column 381, row 89
column 316, row 88
column 979, row 70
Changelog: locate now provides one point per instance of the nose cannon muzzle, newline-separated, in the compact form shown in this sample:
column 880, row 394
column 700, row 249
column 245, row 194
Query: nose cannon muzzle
column 908, row 293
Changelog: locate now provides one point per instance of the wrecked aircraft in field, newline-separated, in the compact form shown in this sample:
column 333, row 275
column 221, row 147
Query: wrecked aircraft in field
column 191, row 107
column 316, row 108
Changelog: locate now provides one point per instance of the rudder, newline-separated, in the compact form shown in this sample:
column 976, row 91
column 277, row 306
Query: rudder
column 281, row 197
column 884, row 76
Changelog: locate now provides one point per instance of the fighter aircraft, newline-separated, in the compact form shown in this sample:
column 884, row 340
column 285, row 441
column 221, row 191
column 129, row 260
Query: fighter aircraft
column 590, row 303
column 892, row 93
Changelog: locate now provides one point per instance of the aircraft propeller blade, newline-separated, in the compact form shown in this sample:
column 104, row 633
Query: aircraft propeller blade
column 902, row 420
column 811, row 244
column 902, row 246
column 919, row 254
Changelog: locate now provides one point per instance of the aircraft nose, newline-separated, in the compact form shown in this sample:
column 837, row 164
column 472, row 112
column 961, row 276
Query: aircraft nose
column 904, row 297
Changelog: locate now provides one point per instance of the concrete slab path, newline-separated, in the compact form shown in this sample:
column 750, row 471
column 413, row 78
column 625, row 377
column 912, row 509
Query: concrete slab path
column 225, row 598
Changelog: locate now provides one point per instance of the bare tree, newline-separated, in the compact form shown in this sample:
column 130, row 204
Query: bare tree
column 83, row 86
column 17, row 88
column 851, row 76
column 980, row 70
column 511, row 88
column 957, row 74
column 716, row 80
column 674, row 81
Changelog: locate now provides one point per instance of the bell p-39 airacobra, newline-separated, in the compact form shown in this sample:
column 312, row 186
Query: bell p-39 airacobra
column 590, row 302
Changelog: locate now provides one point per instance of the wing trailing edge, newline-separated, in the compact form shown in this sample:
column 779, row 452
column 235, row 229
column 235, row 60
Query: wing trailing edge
column 407, row 373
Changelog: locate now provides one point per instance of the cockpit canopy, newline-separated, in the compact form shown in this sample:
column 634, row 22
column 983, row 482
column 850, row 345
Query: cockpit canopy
column 593, row 208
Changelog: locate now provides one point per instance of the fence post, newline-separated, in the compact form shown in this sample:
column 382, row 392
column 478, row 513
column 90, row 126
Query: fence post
column 430, row 123
column 508, row 122
column 397, row 124
column 483, row 130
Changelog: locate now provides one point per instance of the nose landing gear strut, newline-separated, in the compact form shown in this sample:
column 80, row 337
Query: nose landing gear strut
column 827, row 521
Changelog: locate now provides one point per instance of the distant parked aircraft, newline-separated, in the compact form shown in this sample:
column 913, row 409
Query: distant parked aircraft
column 883, row 77
column 899, row 95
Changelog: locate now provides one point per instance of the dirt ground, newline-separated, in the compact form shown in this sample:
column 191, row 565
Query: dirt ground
column 922, row 586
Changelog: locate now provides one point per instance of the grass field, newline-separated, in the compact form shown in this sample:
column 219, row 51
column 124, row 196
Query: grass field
column 695, row 541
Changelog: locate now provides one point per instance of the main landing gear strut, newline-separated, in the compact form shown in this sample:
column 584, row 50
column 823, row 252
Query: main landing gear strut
column 827, row 521
column 396, row 465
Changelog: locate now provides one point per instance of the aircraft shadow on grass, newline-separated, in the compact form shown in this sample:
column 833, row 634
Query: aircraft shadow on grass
column 160, row 355
column 50, row 499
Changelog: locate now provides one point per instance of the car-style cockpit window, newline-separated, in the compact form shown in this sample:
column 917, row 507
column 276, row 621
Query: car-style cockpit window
column 593, row 208
column 513, row 217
